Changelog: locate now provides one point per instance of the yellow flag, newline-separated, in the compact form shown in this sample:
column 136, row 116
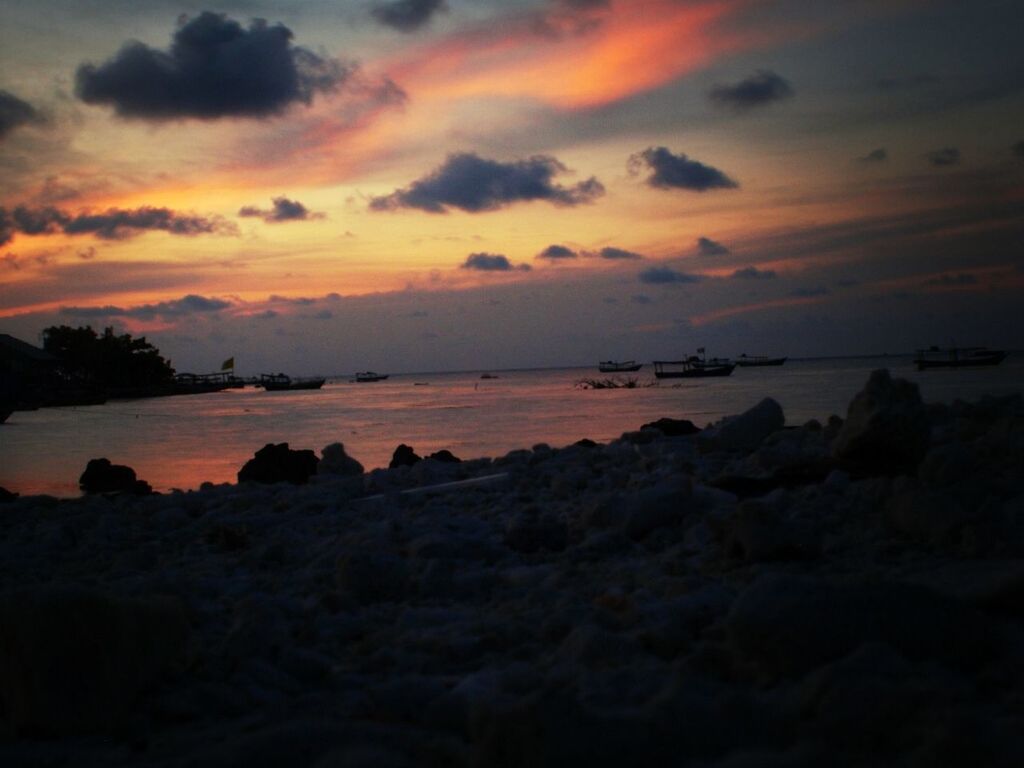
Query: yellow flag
column 228, row 365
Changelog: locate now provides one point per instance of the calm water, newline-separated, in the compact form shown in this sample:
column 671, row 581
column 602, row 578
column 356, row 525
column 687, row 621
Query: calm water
column 179, row 442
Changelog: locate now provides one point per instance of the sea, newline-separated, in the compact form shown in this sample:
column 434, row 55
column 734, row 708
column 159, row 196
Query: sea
column 182, row 442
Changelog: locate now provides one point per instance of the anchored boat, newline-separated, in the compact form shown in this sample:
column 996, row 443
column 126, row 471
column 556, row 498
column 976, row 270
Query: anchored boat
column 279, row 382
column 958, row 357
column 613, row 366
column 693, row 367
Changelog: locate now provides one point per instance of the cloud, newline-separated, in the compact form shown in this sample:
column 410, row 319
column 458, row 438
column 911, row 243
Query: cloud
column 491, row 262
column 474, row 184
column 557, row 253
column 1018, row 149
column 666, row 276
column 283, row 210
column 112, row 224
column 944, row 157
column 753, row 273
column 641, row 298
column 807, row 293
column 187, row 305
column 407, row 15
column 708, row 247
column 214, row 68
column 616, row 254
column 875, row 156
column 953, row 281
column 758, row 90
column 669, row 171
column 15, row 113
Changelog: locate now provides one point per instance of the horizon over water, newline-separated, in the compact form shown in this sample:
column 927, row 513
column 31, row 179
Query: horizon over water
column 183, row 441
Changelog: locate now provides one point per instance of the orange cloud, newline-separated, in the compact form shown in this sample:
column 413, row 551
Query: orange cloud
column 636, row 47
column 720, row 314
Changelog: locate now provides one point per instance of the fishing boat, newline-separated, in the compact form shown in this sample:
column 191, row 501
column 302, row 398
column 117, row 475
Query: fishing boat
column 613, row 366
column 364, row 377
column 957, row 357
column 200, row 383
column 279, row 382
column 753, row 361
column 693, row 367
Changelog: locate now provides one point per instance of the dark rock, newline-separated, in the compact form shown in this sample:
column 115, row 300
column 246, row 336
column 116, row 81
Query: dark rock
column 529, row 533
column 761, row 533
column 787, row 626
column 372, row 577
column 404, row 456
column 886, row 431
column 334, row 461
column 672, row 427
column 445, row 457
column 6, row 496
column 747, row 430
column 659, row 506
column 75, row 661
column 585, row 442
column 101, row 476
column 279, row 464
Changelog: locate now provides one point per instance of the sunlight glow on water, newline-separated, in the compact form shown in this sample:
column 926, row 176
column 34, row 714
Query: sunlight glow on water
column 180, row 442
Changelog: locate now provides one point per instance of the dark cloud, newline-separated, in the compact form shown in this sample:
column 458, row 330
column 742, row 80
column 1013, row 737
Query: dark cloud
column 669, row 171
column 214, row 68
column 118, row 224
column 808, row 293
column 474, row 184
column 187, row 305
column 1018, row 149
column 407, row 15
column 641, row 298
column 708, row 247
column 666, row 276
column 15, row 113
column 557, row 253
column 761, row 88
column 491, row 262
column 944, row 157
column 614, row 254
column 283, row 210
column 112, row 224
column 953, row 281
column 753, row 273
column 875, row 156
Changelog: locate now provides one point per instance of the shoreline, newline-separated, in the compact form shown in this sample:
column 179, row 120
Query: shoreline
column 747, row 594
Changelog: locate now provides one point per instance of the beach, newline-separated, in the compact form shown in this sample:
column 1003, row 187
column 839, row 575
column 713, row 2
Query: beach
column 845, row 591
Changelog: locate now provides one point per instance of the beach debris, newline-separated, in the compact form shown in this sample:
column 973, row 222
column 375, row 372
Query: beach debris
column 334, row 461
column 277, row 463
column 630, row 382
column 404, row 456
column 100, row 476
column 75, row 660
column 672, row 427
column 886, row 429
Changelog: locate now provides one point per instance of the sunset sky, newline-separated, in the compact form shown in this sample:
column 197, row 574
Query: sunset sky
column 324, row 186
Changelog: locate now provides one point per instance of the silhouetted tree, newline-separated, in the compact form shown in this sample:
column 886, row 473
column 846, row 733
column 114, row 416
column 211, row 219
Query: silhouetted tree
column 107, row 360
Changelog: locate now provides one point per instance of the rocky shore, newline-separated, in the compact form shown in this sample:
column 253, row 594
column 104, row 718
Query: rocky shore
column 748, row 594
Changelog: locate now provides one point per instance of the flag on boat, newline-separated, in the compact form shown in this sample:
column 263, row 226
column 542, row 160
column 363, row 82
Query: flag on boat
column 228, row 365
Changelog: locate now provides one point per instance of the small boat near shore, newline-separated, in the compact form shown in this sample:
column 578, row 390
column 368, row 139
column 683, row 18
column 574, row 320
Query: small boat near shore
column 957, row 357
column 364, row 377
column 613, row 366
column 755, row 361
column 693, row 367
column 280, row 382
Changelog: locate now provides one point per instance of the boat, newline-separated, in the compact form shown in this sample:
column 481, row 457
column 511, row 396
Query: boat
column 957, row 357
column 613, row 366
column 753, row 361
column 693, row 367
column 488, row 376
column 279, row 382
column 200, row 383
column 366, row 376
